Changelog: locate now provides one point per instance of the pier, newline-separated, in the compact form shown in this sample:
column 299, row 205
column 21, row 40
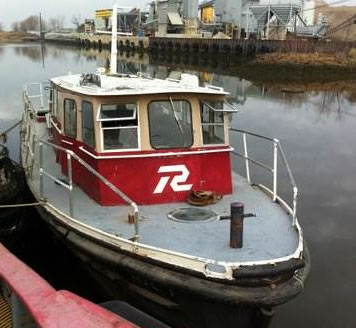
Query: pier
column 97, row 41
column 206, row 46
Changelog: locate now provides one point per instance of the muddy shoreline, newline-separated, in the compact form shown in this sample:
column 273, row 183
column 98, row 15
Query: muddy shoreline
column 253, row 69
column 16, row 37
column 289, row 68
column 289, row 73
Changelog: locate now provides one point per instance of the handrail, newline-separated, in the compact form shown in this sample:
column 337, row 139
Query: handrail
column 277, row 148
column 70, row 155
column 69, row 186
column 30, row 151
column 252, row 134
column 233, row 110
column 40, row 95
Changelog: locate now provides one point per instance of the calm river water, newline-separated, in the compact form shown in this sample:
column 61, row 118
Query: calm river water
column 317, row 127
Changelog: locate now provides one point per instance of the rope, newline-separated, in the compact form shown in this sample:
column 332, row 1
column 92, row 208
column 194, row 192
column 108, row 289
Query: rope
column 21, row 205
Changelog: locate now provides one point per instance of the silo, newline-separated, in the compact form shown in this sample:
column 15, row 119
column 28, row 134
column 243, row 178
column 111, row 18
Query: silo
column 190, row 14
column 190, row 8
column 228, row 11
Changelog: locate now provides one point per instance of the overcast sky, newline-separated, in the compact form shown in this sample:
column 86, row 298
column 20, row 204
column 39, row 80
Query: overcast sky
column 15, row 10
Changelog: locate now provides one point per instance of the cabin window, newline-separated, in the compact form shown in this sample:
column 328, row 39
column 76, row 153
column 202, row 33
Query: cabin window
column 170, row 124
column 119, row 124
column 212, row 123
column 88, row 135
column 70, row 118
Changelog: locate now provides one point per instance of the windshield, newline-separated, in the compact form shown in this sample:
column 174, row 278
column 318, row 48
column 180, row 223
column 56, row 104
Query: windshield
column 170, row 124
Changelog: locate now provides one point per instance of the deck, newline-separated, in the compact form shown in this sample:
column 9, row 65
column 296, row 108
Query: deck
column 268, row 236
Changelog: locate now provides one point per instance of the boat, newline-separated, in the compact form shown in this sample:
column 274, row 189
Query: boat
column 12, row 193
column 134, row 175
column 27, row 300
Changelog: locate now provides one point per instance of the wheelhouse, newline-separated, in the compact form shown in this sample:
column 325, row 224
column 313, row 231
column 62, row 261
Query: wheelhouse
column 155, row 142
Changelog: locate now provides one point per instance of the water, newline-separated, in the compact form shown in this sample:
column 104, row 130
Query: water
column 318, row 132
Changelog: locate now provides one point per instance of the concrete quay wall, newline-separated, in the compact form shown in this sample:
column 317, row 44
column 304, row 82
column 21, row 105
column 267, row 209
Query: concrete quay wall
column 100, row 41
column 247, row 47
column 241, row 47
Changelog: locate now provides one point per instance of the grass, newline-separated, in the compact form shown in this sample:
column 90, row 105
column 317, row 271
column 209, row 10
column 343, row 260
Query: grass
column 315, row 60
column 14, row 36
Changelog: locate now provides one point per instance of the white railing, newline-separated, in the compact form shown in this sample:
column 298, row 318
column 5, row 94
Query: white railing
column 69, row 186
column 39, row 95
column 29, row 142
column 277, row 149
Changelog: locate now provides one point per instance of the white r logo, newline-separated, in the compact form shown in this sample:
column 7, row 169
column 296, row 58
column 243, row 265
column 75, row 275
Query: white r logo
column 176, row 179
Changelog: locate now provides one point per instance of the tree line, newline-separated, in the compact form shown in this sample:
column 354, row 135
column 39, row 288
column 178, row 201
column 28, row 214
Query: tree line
column 31, row 23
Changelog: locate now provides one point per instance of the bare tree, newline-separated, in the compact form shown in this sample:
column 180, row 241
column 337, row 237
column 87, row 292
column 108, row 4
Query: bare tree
column 29, row 24
column 55, row 23
column 52, row 24
column 61, row 20
column 23, row 27
column 15, row 26
column 76, row 21
column 44, row 25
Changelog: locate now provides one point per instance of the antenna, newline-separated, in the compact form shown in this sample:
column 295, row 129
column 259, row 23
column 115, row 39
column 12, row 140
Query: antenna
column 113, row 61
column 41, row 40
column 40, row 27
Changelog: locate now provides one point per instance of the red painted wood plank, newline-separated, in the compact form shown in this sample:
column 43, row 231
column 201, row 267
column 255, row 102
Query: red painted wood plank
column 51, row 308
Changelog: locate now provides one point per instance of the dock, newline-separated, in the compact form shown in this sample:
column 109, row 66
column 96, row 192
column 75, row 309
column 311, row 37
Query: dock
column 204, row 46
column 97, row 41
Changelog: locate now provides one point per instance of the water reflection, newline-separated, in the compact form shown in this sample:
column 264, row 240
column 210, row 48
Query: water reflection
column 35, row 53
column 332, row 94
column 316, row 123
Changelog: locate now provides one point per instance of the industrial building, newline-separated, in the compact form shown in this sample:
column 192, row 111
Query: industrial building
column 266, row 19
column 174, row 17
column 129, row 20
column 207, row 12
column 260, row 19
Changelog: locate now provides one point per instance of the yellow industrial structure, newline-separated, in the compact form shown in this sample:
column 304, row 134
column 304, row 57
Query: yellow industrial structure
column 102, row 19
column 103, row 13
column 207, row 12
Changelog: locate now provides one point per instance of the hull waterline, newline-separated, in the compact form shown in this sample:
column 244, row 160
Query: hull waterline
column 180, row 298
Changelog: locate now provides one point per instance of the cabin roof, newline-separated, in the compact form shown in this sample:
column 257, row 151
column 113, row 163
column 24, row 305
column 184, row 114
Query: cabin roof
column 125, row 85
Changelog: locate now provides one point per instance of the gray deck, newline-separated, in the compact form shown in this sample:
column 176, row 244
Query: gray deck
column 270, row 235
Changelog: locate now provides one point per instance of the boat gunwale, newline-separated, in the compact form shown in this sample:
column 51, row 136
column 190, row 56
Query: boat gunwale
column 184, row 279
column 195, row 263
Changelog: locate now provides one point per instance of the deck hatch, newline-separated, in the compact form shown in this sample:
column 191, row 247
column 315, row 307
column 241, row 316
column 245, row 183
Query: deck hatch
column 192, row 215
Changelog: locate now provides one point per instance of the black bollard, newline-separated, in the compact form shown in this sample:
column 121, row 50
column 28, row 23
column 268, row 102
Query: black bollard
column 236, row 225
